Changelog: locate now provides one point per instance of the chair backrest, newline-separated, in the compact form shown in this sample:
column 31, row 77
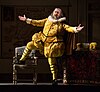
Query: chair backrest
column 82, row 47
column 19, row 51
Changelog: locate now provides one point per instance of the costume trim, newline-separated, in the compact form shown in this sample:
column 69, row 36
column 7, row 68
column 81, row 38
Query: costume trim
column 28, row 20
column 75, row 30
column 56, row 20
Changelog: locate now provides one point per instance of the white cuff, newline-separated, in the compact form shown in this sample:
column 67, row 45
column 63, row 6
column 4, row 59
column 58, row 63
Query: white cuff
column 75, row 30
column 28, row 20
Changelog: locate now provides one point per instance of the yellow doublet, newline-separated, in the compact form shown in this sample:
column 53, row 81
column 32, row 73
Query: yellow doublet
column 51, row 36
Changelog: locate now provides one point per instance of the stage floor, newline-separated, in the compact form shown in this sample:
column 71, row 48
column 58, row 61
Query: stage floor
column 47, row 87
column 50, row 84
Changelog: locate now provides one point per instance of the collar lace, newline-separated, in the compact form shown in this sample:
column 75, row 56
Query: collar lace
column 50, row 18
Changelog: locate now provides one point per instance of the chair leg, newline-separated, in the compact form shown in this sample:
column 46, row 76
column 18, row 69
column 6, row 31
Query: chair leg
column 65, row 76
column 35, row 77
column 14, row 75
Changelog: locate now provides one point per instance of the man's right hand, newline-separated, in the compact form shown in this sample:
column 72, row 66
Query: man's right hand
column 22, row 18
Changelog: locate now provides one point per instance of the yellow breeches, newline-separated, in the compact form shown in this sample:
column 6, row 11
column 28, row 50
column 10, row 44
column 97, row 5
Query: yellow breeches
column 30, row 45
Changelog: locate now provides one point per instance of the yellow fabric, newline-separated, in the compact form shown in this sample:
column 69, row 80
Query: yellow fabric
column 36, row 43
column 54, row 49
column 68, row 28
column 25, row 54
column 53, row 67
column 39, row 23
column 92, row 46
column 52, row 33
column 52, row 38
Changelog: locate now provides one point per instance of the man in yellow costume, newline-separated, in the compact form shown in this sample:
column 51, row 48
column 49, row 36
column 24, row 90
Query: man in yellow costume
column 49, row 41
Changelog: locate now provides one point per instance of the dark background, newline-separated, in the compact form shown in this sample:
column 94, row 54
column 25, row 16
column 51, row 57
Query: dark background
column 15, row 33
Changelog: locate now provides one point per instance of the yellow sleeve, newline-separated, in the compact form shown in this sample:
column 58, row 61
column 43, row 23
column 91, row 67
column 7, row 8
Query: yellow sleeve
column 69, row 28
column 39, row 23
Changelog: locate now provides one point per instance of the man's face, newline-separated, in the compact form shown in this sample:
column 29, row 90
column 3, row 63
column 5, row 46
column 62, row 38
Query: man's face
column 56, row 13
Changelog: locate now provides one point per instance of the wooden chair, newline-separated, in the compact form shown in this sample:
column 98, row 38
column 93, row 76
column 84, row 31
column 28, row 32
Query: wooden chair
column 30, row 66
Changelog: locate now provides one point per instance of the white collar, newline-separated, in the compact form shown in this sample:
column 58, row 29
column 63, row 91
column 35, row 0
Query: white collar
column 56, row 20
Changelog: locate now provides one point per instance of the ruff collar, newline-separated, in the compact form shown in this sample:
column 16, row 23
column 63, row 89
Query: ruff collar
column 50, row 18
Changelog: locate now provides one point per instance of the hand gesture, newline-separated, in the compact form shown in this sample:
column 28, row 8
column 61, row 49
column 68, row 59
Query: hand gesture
column 79, row 28
column 22, row 18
